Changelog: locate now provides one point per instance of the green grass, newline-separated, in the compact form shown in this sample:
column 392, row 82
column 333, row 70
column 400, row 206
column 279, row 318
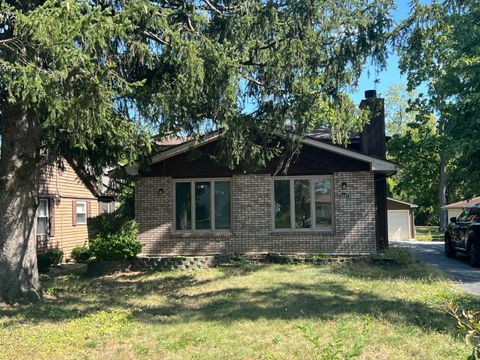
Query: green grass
column 427, row 233
column 356, row 310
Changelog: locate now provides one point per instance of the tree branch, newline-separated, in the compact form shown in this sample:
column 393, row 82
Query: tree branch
column 6, row 41
column 155, row 37
column 213, row 7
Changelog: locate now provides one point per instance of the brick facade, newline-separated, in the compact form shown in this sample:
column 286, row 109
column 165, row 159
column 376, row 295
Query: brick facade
column 252, row 230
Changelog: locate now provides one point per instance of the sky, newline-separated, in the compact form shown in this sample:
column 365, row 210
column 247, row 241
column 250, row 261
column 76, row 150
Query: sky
column 391, row 75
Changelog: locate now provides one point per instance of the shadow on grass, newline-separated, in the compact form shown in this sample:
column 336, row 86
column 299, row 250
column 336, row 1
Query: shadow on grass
column 323, row 300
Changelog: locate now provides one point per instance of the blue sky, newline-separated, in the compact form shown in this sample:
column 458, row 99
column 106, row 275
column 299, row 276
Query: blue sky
column 391, row 75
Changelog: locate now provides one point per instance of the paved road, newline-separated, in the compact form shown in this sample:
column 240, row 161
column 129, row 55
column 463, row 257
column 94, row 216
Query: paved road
column 458, row 269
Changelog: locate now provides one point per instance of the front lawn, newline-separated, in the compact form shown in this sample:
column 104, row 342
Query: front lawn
column 264, row 312
column 428, row 233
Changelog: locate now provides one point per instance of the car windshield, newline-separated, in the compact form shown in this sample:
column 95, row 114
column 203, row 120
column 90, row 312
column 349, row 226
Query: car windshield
column 463, row 215
column 474, row 214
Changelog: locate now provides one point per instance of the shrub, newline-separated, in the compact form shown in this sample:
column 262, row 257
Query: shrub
column 116, row 244
column 49, row 258
column 81, row 254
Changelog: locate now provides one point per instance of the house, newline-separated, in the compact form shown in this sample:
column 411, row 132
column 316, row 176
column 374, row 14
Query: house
column 401, row 220
column 331, row 199
column 456, row 208
column 66, row 203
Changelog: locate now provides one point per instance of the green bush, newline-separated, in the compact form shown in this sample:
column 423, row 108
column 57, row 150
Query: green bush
column 49, row 258
column 81, row 254
column 116, row 243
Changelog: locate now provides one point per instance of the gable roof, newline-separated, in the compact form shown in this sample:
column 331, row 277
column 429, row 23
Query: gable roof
column 402, row 202
column 463, row 204
column 376, row 164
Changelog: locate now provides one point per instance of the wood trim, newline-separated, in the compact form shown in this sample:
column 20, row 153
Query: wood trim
column 51, row 220
column 179, row 149
column 74, row 212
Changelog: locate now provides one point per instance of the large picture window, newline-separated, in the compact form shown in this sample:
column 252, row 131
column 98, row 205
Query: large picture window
column 202, row 205
column 303, row 203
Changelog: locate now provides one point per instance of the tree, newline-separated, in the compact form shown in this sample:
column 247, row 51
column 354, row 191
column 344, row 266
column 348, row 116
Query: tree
column 416, row 149
column 397, row 109
column 89, row 80
column 439, row 48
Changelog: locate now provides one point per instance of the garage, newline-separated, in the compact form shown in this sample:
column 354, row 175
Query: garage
column 401, row 221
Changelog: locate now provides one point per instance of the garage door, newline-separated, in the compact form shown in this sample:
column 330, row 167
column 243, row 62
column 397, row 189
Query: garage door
column 398, row 225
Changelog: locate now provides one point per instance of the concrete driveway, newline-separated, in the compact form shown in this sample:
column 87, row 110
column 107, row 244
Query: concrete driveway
column 458, row 269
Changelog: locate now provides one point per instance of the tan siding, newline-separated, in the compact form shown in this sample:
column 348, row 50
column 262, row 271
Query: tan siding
column 63, row 182
column 65, row 186
column 72, row 236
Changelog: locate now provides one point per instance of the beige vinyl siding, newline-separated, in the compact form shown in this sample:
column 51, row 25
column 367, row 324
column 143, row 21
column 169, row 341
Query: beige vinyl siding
column 63, row 184
column 455, row 212
column 72, row 235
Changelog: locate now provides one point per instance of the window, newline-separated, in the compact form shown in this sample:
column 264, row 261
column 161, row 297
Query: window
column 183, row 206
column 202, row 205
column 323, row 202
column 282, row 204
column 42, row 217
column 473, row 214
column 463, row 216
column 107, row 207
column 203, row 210
column 81, row 212
column 301, row 190
column 303, row 203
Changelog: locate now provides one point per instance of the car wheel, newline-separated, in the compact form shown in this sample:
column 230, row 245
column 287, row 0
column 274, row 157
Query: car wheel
column 450, row 251
column 475, row 253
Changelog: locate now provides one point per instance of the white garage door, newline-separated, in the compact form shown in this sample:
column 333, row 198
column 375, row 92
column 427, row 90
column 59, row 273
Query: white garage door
column 398, row 225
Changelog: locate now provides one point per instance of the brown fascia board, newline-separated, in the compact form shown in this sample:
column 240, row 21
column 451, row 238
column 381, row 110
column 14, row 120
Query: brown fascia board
column 377, row 164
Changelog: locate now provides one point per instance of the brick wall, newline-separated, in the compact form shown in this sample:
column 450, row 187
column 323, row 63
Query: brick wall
column 353, row 232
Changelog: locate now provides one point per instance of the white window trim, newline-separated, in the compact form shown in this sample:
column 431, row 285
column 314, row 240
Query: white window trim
column 212, row 207
column 46, row 217
column 314, row 227
column 76, row 212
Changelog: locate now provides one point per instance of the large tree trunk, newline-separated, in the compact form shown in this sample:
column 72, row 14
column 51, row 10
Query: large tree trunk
column 19, row 172
column 442, row 191
column 442, row 186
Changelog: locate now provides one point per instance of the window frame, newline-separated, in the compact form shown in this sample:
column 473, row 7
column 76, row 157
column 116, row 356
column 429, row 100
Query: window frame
column 76, row 212
column 311, row 179
column 465, row 211
column 47, row 229
column 192, row 205
column 102, row 203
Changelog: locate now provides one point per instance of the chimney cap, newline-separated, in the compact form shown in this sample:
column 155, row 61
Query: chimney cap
column 370, row 94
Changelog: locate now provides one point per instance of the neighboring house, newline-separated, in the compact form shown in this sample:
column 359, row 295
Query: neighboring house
column 401, row 220
column 456, row 208
column 331, row 199
column 66, row 203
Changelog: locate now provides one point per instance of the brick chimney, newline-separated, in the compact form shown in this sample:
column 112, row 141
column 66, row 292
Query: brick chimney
column 372, row 138
column 372, row 142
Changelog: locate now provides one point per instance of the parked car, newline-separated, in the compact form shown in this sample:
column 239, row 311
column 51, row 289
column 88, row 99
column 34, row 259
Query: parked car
column 463, row 234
